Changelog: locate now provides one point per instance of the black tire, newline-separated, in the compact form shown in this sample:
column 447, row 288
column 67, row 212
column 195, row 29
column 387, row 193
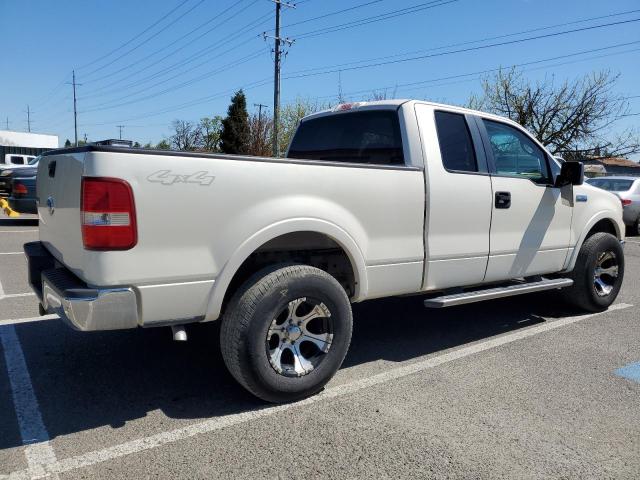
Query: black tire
column 636, row 227
column 583, row 294
column 250, row 314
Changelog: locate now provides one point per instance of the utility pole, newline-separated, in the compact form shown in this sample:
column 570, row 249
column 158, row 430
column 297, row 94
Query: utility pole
column 85, row 138
column 278, row 40
column 120, row 127
column 28, row 119
column 75, row 108
column 7, row 123
column 260, row 107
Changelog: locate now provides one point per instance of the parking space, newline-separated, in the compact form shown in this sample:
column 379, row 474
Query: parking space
column 518, row 388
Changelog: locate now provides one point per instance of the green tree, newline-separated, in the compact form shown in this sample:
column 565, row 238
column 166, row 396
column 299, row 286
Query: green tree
column 234, row 137
column 290, row 117
column 163, row 145
column 67, row 143
column 572, row 118
column 210, row 132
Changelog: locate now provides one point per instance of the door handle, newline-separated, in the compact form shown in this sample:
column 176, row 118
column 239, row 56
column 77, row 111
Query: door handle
column 503, row 199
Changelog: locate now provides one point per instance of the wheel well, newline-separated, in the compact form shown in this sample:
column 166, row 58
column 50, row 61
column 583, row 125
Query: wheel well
column 605, row 226
column 308, row 248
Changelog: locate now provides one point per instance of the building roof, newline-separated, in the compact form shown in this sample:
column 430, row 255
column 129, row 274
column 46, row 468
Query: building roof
column 615, row 162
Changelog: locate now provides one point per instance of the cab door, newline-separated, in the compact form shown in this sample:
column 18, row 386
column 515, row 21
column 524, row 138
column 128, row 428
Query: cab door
column 458, row 198
column 531, row 219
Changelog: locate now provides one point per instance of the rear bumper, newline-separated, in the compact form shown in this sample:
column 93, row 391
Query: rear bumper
column 83, row 307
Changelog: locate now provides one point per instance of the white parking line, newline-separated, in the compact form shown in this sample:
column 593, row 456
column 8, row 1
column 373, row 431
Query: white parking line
column 15, row 295
column 34, row 435
column 19, row 231
column 172, row 436
column 16, row 321
column 11, row 253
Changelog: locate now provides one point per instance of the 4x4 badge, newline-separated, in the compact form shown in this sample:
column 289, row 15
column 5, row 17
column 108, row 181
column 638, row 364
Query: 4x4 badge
column 167, row 177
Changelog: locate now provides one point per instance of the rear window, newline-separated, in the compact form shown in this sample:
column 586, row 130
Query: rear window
column 371, row 137
column 456, row 146
column 612, row 184
column 17, row 160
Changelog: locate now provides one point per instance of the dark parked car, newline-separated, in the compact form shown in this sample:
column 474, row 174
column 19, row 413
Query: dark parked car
column 22, row 197
column 9, row 172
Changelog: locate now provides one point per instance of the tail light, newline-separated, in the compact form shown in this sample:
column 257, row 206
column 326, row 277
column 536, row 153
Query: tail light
column 108, row 214
column 625, row 202
column 19, row 189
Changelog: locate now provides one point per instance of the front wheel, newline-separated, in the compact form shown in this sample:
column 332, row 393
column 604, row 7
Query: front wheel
column 286, row 332
column 598, row 274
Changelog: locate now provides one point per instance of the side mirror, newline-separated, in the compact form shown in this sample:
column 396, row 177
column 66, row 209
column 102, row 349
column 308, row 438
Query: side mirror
column 571, row 173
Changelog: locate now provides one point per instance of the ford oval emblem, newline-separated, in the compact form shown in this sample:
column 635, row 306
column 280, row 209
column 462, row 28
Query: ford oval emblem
column 51, row 204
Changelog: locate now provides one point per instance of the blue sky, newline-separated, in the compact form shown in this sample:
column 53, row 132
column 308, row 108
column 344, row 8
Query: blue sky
column 143, row 76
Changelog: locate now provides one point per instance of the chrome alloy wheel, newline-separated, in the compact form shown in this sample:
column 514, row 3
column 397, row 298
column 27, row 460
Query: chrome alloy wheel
column 605, row 274
column 299, row 338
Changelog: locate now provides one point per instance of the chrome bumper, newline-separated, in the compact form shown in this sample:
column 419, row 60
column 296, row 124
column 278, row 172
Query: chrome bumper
column 83, row 307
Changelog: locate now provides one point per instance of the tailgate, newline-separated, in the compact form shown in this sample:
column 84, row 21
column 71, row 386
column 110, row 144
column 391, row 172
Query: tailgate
column 58, row 186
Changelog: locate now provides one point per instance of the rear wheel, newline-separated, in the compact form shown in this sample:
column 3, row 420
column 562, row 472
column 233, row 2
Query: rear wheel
column 286, row 332
column 598, row 274
column 636, row 227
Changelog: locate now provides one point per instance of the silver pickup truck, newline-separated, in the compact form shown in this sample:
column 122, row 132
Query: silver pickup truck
column 373, row 200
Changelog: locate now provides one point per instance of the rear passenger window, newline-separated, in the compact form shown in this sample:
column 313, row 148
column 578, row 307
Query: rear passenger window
column 456, row 146
column 371, row 137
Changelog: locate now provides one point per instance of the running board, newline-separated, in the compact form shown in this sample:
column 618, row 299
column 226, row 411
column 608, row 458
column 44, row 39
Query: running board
column 497, row 292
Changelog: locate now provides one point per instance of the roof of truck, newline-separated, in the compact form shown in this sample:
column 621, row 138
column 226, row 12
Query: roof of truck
column 395, row 104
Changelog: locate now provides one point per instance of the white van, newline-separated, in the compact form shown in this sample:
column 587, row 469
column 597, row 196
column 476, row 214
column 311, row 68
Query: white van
column 17, row 159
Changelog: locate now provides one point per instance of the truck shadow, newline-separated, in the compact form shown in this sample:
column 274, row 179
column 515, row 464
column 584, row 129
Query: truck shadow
column 18, row 222
column 89, row 380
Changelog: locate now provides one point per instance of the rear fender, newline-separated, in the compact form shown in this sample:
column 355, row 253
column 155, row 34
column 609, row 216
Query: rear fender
column 252, row 244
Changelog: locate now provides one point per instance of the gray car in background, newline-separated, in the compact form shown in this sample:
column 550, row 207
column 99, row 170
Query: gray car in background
column 628, row 189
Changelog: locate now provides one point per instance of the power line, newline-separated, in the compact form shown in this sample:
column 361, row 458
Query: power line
column 234, row 36
column 377, row 18
column 355, row 7
column 266, row 81
column 110, row 105
column 478, row 73
column 135, row 37
column 164, row 48
column 468, row 42
column 142, row 43
column 463, row 50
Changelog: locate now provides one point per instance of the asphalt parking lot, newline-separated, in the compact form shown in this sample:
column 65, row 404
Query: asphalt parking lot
column 514, row 388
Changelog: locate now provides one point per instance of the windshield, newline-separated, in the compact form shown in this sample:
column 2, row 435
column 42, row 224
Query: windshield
column 611, row 184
